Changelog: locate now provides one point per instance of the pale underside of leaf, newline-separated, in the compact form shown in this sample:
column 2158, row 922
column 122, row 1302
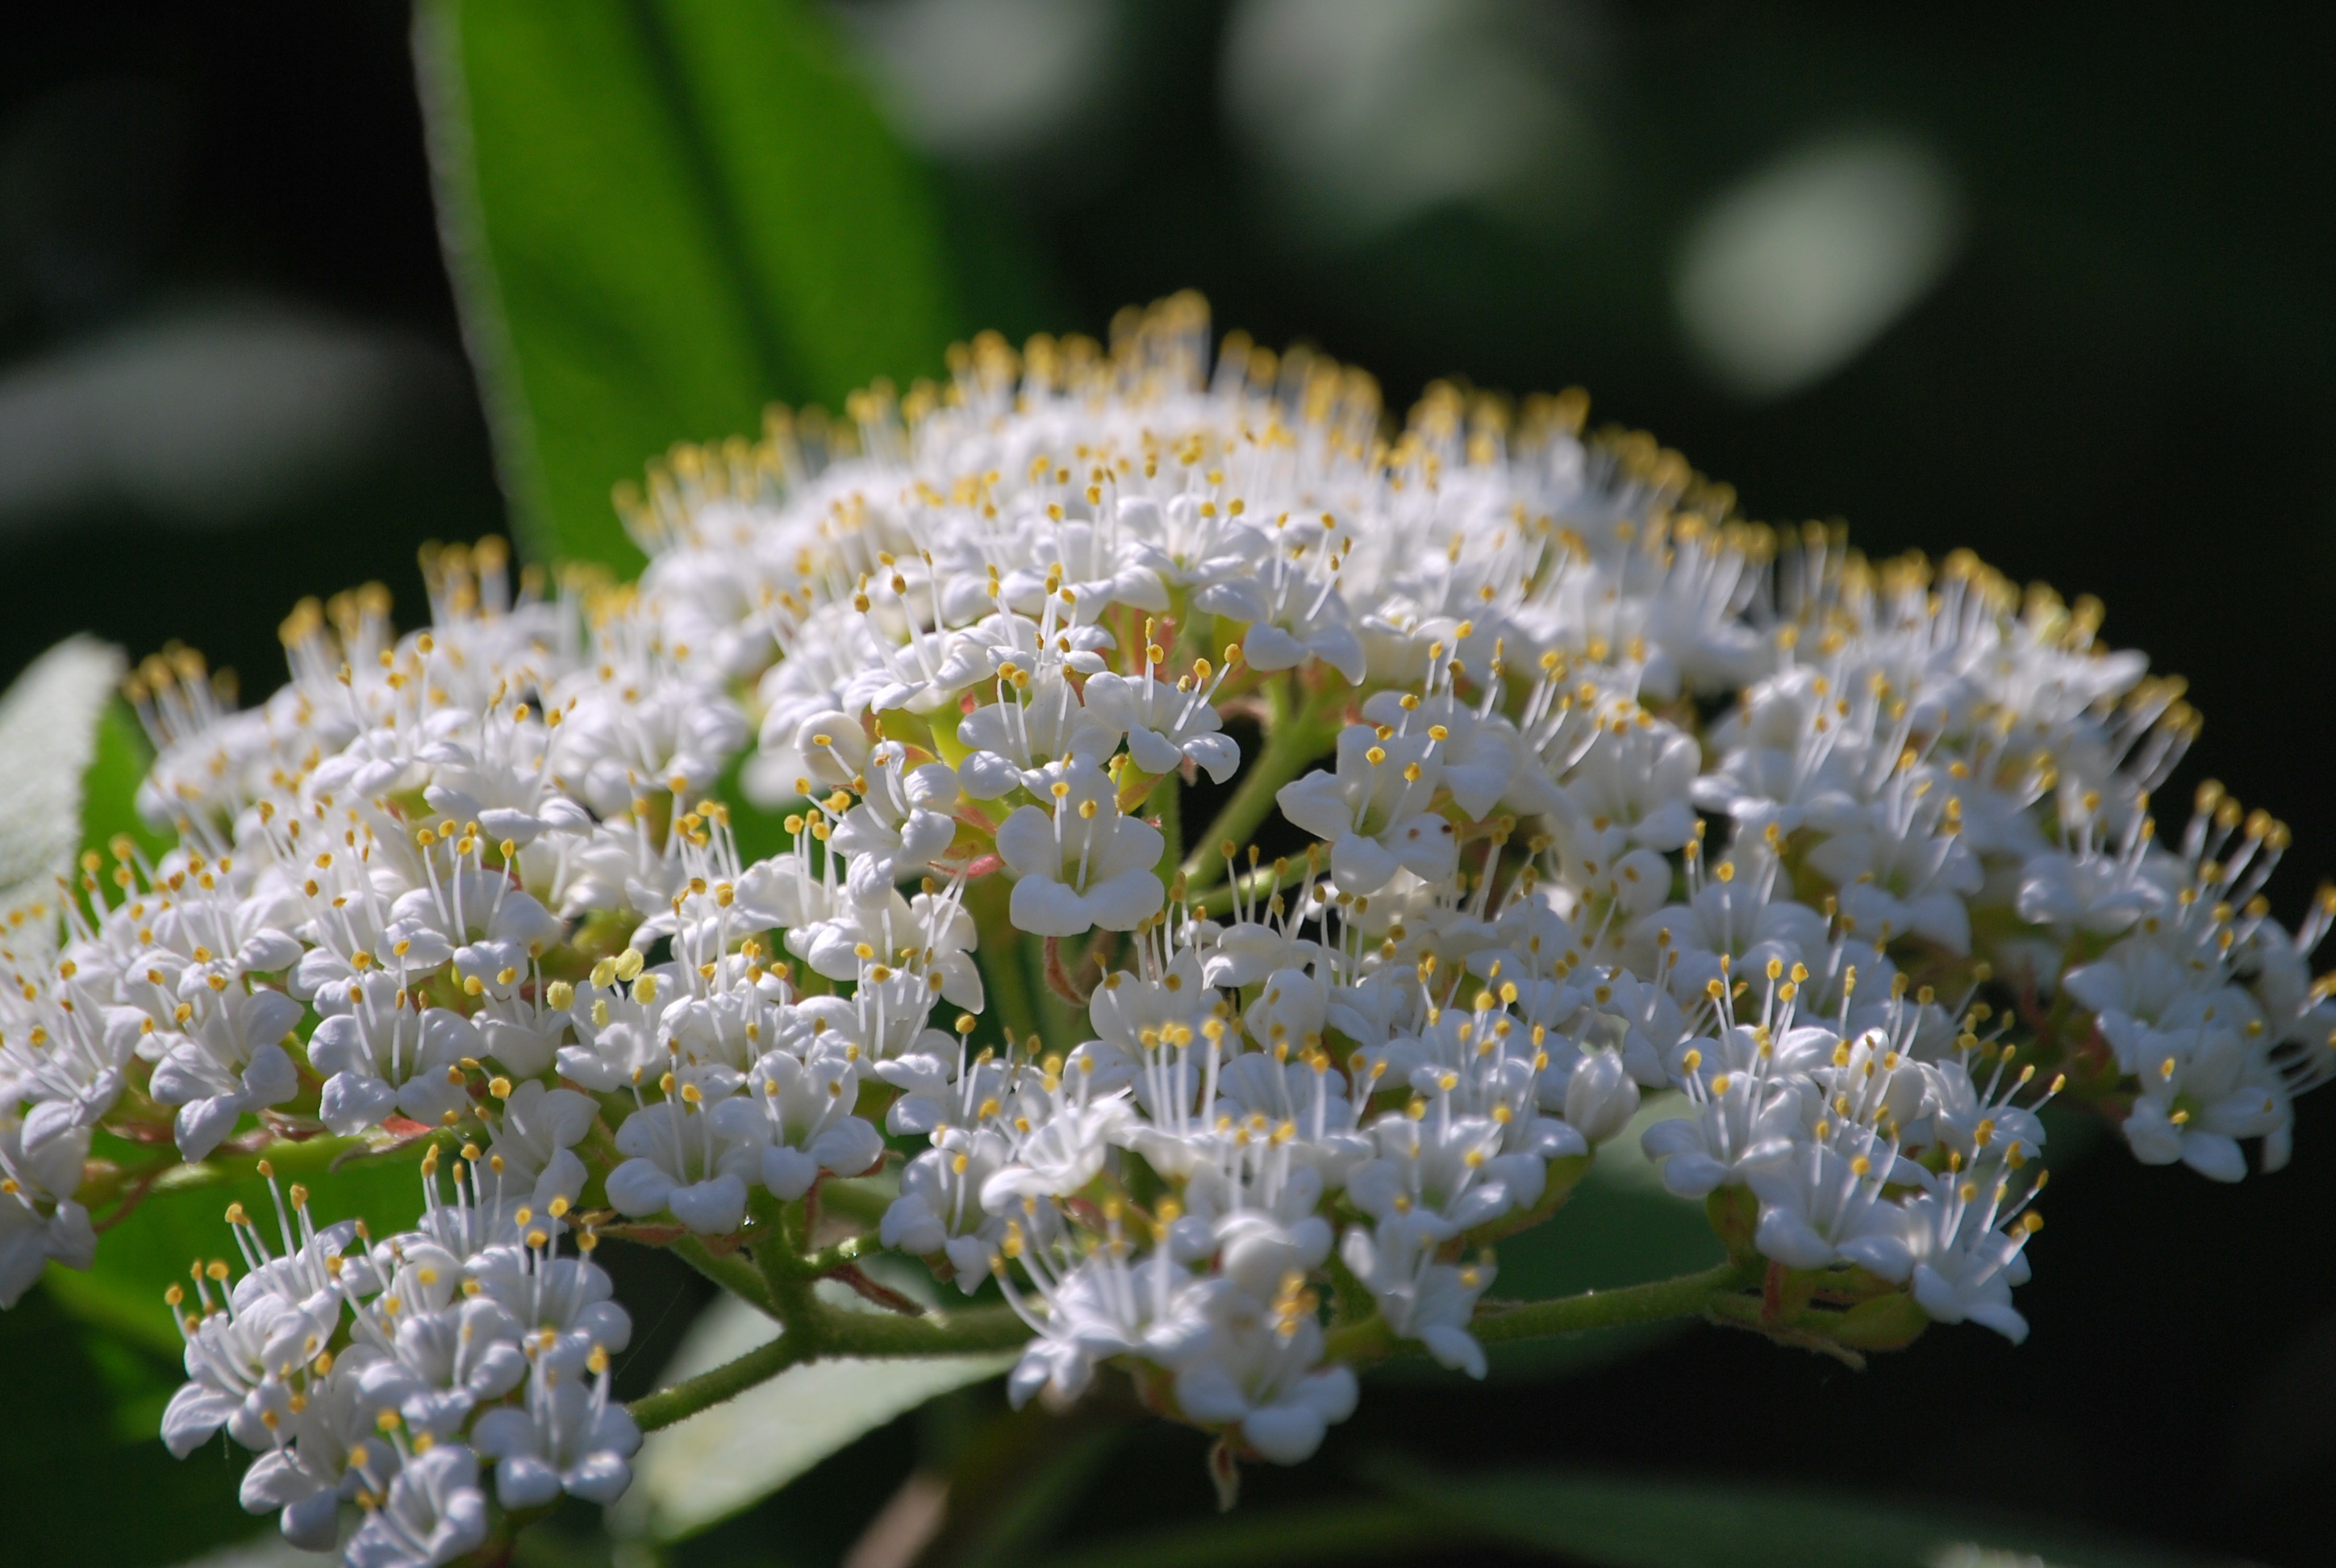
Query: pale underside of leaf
column 48, row 732
column 727, row 1458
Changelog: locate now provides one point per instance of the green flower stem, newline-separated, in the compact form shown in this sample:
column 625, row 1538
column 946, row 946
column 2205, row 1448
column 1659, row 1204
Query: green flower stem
column 776, row 1243
column 858, row 1198
column 827, row 1259
column 1167, row 799
column 972, row 1333
column 815, row 1331
column 1688, row 1296
column 1007, row 982
column 728, row 1381
column 732, row 1272
column 1292, row 741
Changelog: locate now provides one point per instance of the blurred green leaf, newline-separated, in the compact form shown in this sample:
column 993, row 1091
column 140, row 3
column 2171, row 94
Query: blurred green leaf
column 1346, row 1530
column 660, row 217
column 139, row 1383
column 94, row 1492
column 727, row 1458
column 108, row 793
column 1621, row 1522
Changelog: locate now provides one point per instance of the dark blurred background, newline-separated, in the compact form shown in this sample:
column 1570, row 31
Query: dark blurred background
column 2057, row 284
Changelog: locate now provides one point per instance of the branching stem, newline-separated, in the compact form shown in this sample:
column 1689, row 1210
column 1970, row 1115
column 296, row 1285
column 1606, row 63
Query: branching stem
column 815, row 1329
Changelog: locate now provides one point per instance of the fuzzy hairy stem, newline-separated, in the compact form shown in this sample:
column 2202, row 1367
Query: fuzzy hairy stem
column 1687, row 1296
column 728, row 1381
column 291, row 1158
column 815, row 1331
column 1167, row 801
column 818, row 1331
column 779, row 1281
column 1000, row 955
column 730, row 1271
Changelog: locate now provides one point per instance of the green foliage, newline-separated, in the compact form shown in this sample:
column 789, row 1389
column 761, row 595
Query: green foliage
column 727, row 1458
column 110, row 787
column 659, row 217
column 1602, row 1521
column 1619, row 1522
column 93, row 1485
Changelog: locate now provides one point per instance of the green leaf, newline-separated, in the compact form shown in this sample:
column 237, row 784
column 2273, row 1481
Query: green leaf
column 1625, row 1521
column 88, row 1491
column 108, row 793
column 49, row 723
column 659, row 217
column 731, row 1457
column 1346, row 1530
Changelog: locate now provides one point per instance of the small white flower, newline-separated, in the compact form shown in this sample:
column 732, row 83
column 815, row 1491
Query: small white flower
column 222, row 1061
column 1013, row 738
column 1438, row 1168
column 1373, row 811
column 323, row 1447
column 620, row 1026
column 433, row 1514
column 238, row 1350
column 691, row 1158
column 1970, row 1243
column 1742, row 1121
column 1080, row 863
column 1420, row 1298
column 564, row 1436
column 1600, row 1097
column 1904, row 869
column 807, row 1108
column 2202, row 1088
column 535, row 1138
column 39, row 1220
column 383, row 1055
column 1104, row 1307
column 1823, row 1204
column 1258, row 1372
column 1063, row 1134
column 1633, row 790
column 938, row 1213
column 1167, row 725
column 900, row 824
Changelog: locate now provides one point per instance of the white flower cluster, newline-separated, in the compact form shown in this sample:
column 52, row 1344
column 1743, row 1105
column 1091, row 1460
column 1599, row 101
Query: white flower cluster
column 385, row 1375
column 1570, row 790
